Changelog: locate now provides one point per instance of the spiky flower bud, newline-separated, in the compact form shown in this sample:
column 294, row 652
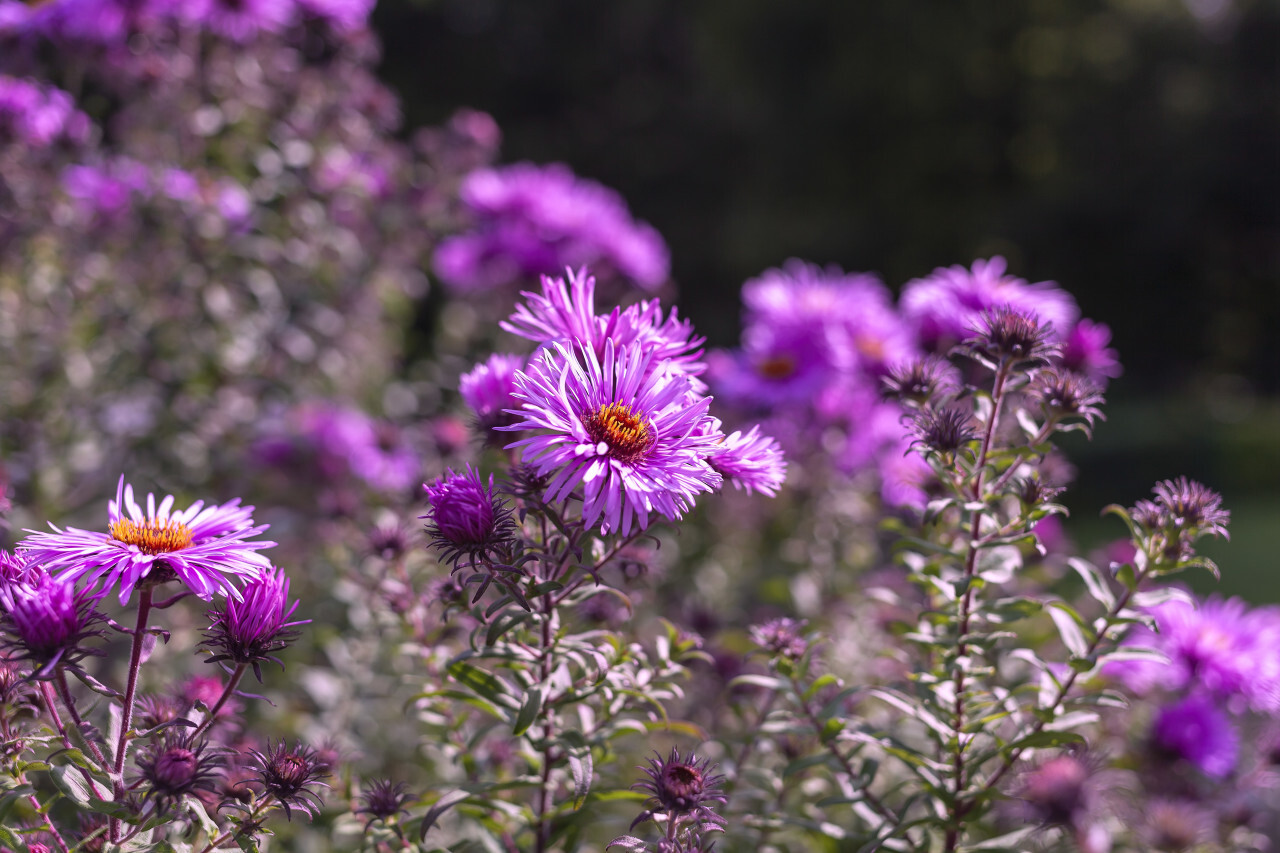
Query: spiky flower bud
column 383, row 801
column 922, row 381
column 47, row 620
column 943, row 431
column 467, row 518
column 291, row 775
column 175, row 765
column 681, row 786
column 252, row 629
column 1004, row 335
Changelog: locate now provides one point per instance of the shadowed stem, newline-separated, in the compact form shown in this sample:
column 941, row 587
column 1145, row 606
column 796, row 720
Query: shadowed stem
column 130, row 694
column 222, row 700
column 51, row 705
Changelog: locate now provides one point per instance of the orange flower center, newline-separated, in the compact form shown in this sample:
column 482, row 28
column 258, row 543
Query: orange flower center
column 152, row 536
column 777, row 367
column 626, row 433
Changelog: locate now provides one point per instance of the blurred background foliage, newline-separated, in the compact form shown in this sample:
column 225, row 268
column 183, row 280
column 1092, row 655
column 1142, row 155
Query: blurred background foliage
column 1129, row 149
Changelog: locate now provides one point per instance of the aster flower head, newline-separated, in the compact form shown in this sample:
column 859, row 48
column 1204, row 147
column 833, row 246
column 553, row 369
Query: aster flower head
column 175, row 765
column 47, row 619
column 680, row 787
column 38, row 115
column 1191, row 507
column 532, row 220
column 1172, row 826
column 202, row 546
column 1055, row 792
column 487, row 389
column 292, row 775
column 1064, row 395
column 922, row 381
column 564, row 312
column 947, row 305
column 1196, row 730
column 1085, row 351
column 384, row 800
column 1004, row 335
column 253, row 628
column 632, row 439
column 1223, row 648
column 943, row 431
column 782, row 637
column 752, row 461
column 467, row 518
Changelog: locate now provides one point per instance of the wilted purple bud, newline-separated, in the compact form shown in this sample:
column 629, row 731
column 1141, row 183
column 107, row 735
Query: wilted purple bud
column 291, row 776
column 47, row 619
column 467, row 518
column 1062, row 394
column 252, row 629
column 1176, row 825
column 1055, row 792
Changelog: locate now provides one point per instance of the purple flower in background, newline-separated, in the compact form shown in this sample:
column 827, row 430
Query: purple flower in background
column 633, row 439
column 945, row 307
column 107, row 189
column 47, row 619
column 1085, row 351
column 751, row 461
column 1199, row 731
column 252, row 629
column 202, row 546
column 467, row 517
column 348, row 440
column 532, row 220
column 782, row 636
column 565, row 313
column 1223, row 648
column 488, row 388
column 343, row 15
column 242, row 20
column 39, row 115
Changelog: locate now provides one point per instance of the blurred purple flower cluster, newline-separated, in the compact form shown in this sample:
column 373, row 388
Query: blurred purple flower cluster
column 819, row 345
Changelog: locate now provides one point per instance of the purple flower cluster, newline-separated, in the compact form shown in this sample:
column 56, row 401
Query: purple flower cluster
column 819, row 344
column 616, row 415
column 39, row 115
column 531, row 220
column 1223, row 660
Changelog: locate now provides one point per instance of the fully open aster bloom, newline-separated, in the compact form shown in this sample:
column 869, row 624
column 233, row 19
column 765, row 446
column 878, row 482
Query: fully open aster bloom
column 752, row 461
column 565, row 312
column 539, row 219
column 1223, row 648
column 202, row 546
column 1197, row 730
column 945, row 307
column 629, row 436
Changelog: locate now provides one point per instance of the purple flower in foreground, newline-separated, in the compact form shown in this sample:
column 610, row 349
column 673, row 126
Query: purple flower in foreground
column 1222, row 648
column 534, row 219
column 1199, row 731
column 946, row 306
column 175, row 766
column 202, row 546
column 631, row 438
column 251, row 630
column 467, row 517
column 1085, row 351
column 680, row 786
column 751, row 461
column 46, row 619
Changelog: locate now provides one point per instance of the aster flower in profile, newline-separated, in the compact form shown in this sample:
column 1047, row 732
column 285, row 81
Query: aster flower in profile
column 175, row 765
column 627, row 439
column 467, row 519
column 1197, row 730
column 751, row 461
column 292, row 776
column 921, row 381
column 383, row 801
column 204, row 547
column 1066, row 396
column 250, row 630
column 1005, row 335
column 682, row 788
column 47, row 619
column 943, row 431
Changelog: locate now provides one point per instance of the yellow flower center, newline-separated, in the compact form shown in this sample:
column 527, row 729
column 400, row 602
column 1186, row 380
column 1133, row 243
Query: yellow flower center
column 626, row 433
column 152, row 536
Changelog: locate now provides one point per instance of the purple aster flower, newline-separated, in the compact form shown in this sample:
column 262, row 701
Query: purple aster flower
column 946, row 306
column 343, row 15
column 1005, row 335
column 1222, row 648
column 1179, row 825
column 681, row 787
column 383, row 801
column 488, row 388
column 175, row 765
column 252, row 629
column 242, row 20
column 751, row 461
column 1056, row 792
column 348, row 440
column 292, row 776
column 922, row 381
column 781, row 636
column 786, row 369
column 202, row 546
column 565, row 313
column 467, row 517
column 1200, row 732
column 46, row 620
column 38, row 115
column 109, row 189
column 532, row 220
column 631, row 438
column 1085, row 351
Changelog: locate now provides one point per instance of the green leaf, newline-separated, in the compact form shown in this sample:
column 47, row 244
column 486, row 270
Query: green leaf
column 446, row 802
column 10, row 838
column 581, row 766
column 1041, row 739
column 1070, row 627
column 68, row 781
column 483, row 684
column 528, row 711
column 1094, row 581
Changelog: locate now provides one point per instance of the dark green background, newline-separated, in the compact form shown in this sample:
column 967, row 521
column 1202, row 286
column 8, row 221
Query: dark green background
column 1127, row 149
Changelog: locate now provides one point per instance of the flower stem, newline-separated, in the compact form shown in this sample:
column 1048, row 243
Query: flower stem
column 222, row 700
column 130, row 694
